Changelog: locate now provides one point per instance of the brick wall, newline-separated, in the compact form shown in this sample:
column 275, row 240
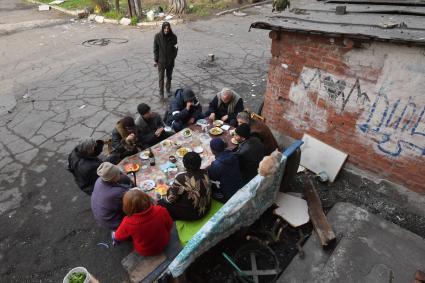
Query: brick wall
column 366, row 99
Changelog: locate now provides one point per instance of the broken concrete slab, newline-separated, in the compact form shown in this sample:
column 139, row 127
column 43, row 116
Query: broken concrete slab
column 370, row 249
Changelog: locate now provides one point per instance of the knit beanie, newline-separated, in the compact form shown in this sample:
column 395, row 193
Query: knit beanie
column 217, row 145
column 108, row 171
column 188, row 94
column 243, row 131
column 143, row 108
column 128, row 122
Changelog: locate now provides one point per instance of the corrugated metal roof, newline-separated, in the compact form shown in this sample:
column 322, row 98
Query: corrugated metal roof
column 381, row 20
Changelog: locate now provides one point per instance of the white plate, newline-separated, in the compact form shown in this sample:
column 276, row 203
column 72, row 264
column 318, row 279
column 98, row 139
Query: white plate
column 218, row 123
column 198, row 149
column 147, row 185
column 186, row 133
column 202, row 122
column 144, row 155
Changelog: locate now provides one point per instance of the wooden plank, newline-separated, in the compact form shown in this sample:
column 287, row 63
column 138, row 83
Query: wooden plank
column 318, row 218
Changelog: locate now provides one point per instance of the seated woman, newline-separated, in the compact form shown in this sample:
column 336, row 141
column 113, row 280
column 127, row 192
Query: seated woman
column 189, row 197
column 124, row 140
column 106, row 199
column 149, row 226
column 83, row 162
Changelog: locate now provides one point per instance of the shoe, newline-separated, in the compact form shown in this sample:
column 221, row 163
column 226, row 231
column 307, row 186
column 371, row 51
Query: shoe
column 168, row 93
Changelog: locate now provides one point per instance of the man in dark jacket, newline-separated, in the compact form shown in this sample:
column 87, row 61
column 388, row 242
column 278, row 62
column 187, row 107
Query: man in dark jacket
column 224, row 171
column 83, row 162
column 124, row 140
column 250, row 152
column 150, row 126
column 260, row 129
column 184, row 109
column 225, row 106
column 165, row 52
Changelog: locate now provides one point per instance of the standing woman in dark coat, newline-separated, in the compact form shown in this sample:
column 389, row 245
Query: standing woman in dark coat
column 165, row 52
column 83, row 162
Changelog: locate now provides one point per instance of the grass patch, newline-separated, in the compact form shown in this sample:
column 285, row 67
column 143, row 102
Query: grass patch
column 204, row 8
column 114, row 15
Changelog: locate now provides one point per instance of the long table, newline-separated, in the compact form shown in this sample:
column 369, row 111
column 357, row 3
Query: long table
column 163, row 150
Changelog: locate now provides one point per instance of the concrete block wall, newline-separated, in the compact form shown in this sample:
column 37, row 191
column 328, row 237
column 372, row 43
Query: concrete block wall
column 364, row 98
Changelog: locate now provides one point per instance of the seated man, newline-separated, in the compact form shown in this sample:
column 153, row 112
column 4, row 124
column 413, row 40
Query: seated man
column 260, row 129
column 225, row 106
column 250, row 152
column 150, row 126
column 224, row 171
column 189, row 197
column 106, row 199
column 184, row 109
column 83, row 162
column 124, row 140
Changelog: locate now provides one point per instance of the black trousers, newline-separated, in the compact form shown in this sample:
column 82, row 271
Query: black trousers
column 162, row 72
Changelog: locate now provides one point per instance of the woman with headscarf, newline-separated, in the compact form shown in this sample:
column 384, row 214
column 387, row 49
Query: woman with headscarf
column 165, row 52
column 83, row 162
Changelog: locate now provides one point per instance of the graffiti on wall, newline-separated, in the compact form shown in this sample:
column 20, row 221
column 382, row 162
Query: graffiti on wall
column 393, row 125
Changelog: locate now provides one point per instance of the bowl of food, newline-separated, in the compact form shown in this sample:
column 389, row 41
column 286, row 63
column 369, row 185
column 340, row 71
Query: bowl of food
column 77, row 275
column 234, row 141
column 201, row 122
column 166, row 143
column 182, row 151
column 131, row 167
column 144, row 155
column 216, row 131
column 218, row 123
column 187, row 133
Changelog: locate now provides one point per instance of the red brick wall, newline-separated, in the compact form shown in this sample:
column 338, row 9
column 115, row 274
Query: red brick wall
column 366, row 99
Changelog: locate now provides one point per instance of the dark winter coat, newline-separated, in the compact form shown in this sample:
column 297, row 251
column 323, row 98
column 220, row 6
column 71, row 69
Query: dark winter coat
column 220, row 109
column 119, row 144
column 83, row 165
column 225, row 171
column 106, row 202
column 178, row 112
column 250, row 153
column 164, row 48
column 146, row 129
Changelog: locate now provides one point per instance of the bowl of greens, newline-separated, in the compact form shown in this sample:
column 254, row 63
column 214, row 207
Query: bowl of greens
column 77, row 275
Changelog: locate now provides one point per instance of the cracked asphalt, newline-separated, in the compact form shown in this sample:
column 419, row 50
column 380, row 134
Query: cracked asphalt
column 54, row 90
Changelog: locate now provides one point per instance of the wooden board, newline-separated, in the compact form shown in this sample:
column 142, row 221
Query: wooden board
column 293, row 209
column 139, row 267
column 318, row 157
column 318, row 218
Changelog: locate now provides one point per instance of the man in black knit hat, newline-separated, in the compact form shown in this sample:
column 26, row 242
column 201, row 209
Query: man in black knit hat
column 165, row 52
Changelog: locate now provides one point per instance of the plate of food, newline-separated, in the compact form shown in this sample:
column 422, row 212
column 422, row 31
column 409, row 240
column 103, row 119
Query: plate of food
column 234, row 141
column 216, row 131
column 218, row 123
column 131, row 167
column 187, row 133
column 147, row 185
column 201, row 122
column 198, row 149
column 166, row 143
column 162, row 189
column 144, row 155
column 182, row 151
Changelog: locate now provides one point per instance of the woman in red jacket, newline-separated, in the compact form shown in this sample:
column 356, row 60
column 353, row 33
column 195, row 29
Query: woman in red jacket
column 149, row 226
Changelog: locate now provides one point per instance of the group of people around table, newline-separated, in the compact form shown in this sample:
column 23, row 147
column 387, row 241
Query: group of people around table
column 131, row 213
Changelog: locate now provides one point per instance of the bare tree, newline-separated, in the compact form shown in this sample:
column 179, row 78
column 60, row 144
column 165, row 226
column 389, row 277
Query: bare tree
column 178, row 6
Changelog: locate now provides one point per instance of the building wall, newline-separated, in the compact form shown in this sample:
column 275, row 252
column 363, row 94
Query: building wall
column 366, row 99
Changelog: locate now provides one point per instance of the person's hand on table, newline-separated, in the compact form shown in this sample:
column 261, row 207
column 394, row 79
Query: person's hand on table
column 212, row 116
column 159, row 131
column 224, row 118
column 191, row 121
